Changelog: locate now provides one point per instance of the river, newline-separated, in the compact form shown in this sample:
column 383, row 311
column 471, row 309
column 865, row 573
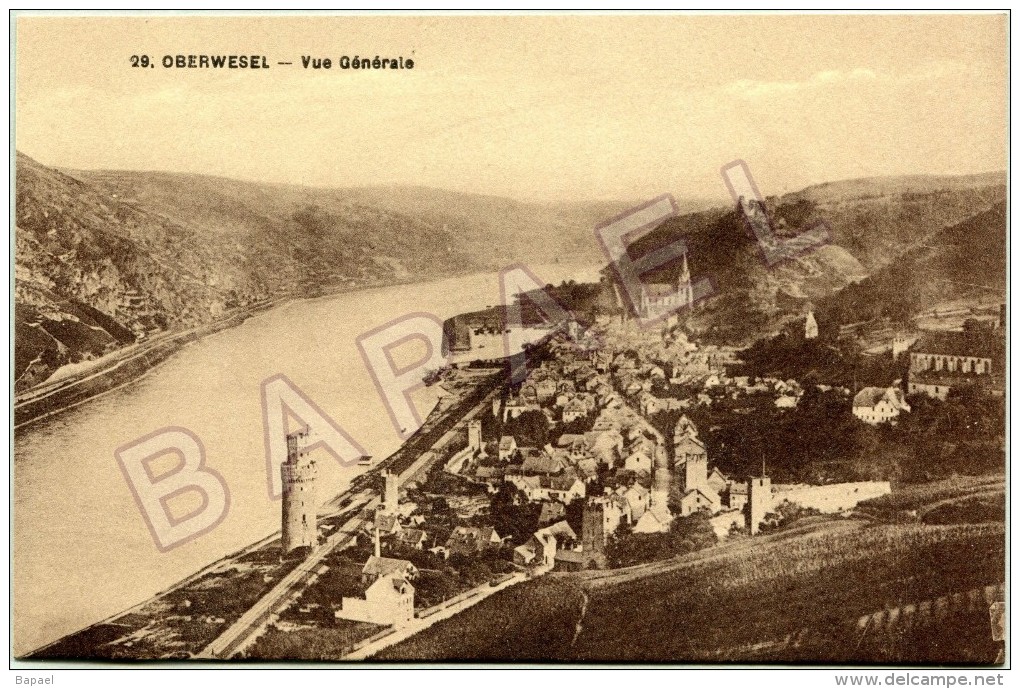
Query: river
column 81, row 549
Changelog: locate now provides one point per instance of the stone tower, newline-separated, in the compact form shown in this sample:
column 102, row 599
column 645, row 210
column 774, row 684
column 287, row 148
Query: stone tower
column 475, row 435
column 391, row 493
column 661, row 477
column 593, row 534
column 299, row 503
column 692, row 473
column 759, row 501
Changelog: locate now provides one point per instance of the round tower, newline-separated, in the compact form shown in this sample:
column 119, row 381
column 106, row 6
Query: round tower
column 475, row 434
column 299, row 503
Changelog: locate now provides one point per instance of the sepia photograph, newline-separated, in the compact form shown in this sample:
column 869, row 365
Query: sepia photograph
column 639, row 340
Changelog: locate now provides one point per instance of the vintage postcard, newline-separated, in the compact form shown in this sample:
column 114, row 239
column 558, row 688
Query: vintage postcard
column 671, row 339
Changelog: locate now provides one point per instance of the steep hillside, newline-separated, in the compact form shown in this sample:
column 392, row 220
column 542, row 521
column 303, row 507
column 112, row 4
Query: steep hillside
column 492, row 231
column 96, row 269
column 105, row 257
column 872, row 223
column 966, row 261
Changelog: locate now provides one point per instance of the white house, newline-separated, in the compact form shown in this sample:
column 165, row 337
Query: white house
column 639, row 462
column 879, row 405
column 655, row 520
column 388, row 596
column 701, row 498
column 639, row 499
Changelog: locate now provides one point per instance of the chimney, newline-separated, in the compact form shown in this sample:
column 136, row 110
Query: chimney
column 378, row 547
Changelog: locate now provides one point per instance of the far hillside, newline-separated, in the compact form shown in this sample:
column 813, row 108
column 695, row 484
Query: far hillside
column 107, row 259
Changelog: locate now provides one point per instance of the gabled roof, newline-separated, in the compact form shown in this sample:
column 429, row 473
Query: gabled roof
column 658, row 289
column 551, row 511
column 687, row 441
column 386, row 566
column 978, row 344
column 386, row 522
column 870, row 396
column 636, row 489
column 588, row 467
column 507, row 442
column 542, row 464
column 570, row 439
column 490, row 472
column 704, row 493
column 412, row 536
column 561, row 530
column 557, row 482
column 472, row 537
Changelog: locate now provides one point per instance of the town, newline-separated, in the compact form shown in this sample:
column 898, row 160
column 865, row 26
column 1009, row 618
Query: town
column 594, row 462
column 621, row 447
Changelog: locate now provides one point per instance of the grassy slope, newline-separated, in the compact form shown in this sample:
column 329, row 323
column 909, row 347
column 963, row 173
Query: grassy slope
column 741, row 601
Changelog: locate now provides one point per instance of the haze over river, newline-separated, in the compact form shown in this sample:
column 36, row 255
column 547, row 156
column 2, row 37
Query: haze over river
column 82, row 551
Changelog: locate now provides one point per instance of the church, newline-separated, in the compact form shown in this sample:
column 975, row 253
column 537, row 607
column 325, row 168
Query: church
column 658, row 299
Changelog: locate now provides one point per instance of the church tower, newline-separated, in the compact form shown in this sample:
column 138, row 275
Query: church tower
column 684, row 289
column 300, row 527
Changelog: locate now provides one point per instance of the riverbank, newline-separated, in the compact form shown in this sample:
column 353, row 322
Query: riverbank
column 131, row 363
column 52, row 397
column 237, row 590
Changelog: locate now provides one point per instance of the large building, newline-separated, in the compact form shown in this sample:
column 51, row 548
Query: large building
column 940, row 361
column 300, row 513
column 879, row 405
column 659, row 299
column 386, row 593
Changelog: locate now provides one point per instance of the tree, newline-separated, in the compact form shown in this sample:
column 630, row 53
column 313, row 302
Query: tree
column 531, row 428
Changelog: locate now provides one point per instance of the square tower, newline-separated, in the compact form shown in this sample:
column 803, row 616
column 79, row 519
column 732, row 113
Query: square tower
column 759, row 501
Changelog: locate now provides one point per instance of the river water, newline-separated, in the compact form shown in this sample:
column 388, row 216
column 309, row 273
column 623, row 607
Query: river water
column 81, row 549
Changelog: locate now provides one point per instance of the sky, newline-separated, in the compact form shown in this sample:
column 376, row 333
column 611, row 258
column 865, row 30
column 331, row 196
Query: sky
column 532, row 107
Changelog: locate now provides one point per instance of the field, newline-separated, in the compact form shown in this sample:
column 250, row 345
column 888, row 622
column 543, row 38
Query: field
column 793, row 596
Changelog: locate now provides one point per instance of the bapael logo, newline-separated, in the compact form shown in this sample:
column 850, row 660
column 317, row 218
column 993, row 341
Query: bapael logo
column 282, row 400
